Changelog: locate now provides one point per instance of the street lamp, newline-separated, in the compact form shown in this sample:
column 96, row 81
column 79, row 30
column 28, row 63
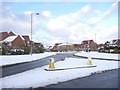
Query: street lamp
column 31, row 31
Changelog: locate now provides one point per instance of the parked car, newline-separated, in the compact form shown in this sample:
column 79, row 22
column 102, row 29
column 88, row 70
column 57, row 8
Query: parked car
column 17, row 51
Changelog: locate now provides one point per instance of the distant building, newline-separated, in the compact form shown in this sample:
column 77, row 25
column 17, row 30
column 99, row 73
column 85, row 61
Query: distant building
column 37, row 47
column 113, row 43
column 65, row 47
column 89, row 44
column 77, row 47
column 55, row 47
column 100, row 46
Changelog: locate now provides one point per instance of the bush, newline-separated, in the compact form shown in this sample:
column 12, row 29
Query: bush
column 41, row 50
column 3, row 51
column 26, row 50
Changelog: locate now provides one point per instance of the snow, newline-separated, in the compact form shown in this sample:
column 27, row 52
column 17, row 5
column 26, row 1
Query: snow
column 98, row 55
column 63, row 44
column 10, row 39
column 39, row 77
column 13, row 59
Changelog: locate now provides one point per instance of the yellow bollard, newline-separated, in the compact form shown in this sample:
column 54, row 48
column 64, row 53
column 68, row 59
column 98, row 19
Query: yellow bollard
column 90, row 62
column 51, row 63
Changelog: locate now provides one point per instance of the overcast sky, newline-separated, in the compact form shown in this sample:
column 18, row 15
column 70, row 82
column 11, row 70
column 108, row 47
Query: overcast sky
column 62, row 22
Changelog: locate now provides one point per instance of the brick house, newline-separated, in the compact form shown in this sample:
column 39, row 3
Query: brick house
column 4, row 35
column 27, row 40
column 77, row 47
column 55, row 47
column 15, row 41
column 38, row 47
column 10, row 41
column 89, row 44
column 65, row 47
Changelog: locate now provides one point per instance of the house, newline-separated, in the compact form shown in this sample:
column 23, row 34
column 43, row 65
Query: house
column 9, row 41
column 38, row 47
column 113, row 43
column 27, row 40
column 77, row 47
column 100, row 46
column 4, row 35
column 55, row 47
column 65, row 47
column 13, row 43
column 89, row 44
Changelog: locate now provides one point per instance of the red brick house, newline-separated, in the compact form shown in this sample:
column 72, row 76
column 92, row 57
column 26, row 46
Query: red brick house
column 89, row 44
column 27, row 40
column 10, row 42
column 77, row 47
column 55, row 47
column 4, row 35
column 14, row 41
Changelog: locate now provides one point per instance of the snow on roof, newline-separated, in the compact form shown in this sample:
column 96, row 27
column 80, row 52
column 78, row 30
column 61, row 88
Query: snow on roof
column 10, row 38
column 65, row 44
column 113, row 42
column 22, row 37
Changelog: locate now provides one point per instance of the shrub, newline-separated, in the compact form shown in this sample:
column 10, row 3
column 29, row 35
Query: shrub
column 41, row 50
column 26, row 50
column 3, row 51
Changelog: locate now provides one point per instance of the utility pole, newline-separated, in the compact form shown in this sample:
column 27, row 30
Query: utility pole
column 31, row 49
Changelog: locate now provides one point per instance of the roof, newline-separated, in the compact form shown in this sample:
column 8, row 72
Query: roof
column 11, row 33
column 87, row 41
column 3, row 35
column 21, row 37
column 10, row 38
column 65, row 44
column 26, row 38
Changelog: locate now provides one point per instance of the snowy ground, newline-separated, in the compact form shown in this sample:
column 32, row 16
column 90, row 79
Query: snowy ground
column 39, row 77
column 98, row 55
column 13, row 59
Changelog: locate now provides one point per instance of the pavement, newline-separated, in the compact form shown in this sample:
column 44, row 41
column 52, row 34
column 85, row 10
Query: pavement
column 108, row 79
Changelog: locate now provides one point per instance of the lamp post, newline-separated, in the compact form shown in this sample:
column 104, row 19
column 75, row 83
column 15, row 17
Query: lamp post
column 31, row 49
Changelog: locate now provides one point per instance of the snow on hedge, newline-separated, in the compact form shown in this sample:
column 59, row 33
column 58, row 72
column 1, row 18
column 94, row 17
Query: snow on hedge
column 39, row 77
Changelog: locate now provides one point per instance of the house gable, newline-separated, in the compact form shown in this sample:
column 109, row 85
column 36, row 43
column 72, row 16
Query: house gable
column 18, row 42
column 11, row 33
